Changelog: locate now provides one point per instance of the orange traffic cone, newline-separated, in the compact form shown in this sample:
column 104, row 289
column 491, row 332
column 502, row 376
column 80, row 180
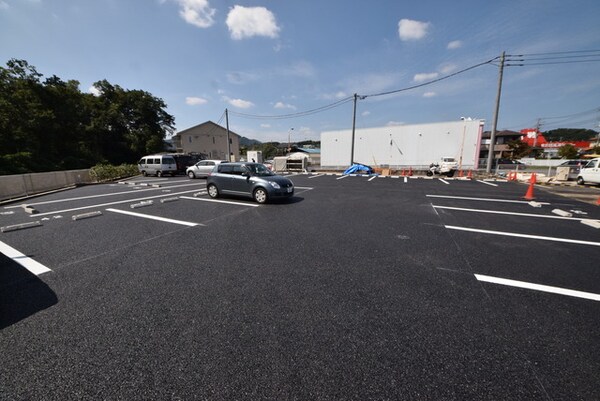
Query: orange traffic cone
column 598, row 202
column 470, row 175
column 533, row 178
column 460, row 173
column 529, row 193
column 410, row 173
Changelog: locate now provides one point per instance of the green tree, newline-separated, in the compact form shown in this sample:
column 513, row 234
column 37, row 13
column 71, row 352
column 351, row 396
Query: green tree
column 570, row 134
column 519, row 148
column 52, row 125
column 568, row 151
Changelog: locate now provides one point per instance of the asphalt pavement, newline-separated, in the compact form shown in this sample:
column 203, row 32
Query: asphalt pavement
column 357, row 288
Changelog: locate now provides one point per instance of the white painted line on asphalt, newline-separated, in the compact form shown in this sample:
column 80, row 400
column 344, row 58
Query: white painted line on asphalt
column 444, row 181
column 98, row 196
column 372, row 178
column 538, row 287
column 540, row 237
column 405, row 180
column 315, row 176
column 148, row 216
column 112, row 203
column 339, row 178
column 220, row 201
column 482, row 199
column 463, row 209
column 487, row 183
column 25, row 261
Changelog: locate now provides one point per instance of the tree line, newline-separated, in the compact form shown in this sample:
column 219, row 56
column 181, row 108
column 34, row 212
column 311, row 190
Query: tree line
column 49, row 124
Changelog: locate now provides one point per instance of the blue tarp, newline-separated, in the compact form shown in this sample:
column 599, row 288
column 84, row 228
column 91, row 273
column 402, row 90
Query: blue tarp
column 358, row 169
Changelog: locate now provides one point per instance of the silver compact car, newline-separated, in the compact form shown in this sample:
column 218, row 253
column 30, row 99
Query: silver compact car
column 202, row 168
column 253, row 180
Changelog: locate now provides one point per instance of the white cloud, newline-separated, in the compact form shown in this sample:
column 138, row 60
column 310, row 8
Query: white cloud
column 239, row 103
column 425, row 76
column 281, row 105
column 195, row 101
column 455, row 44
column 365, row 113
column 447, row 68
column 412, row 30
column 94, row 91
column 429, row 94
column 265, row 126
column 394, row 123
column 4, row 5
column 197, row 12
column 246, row 22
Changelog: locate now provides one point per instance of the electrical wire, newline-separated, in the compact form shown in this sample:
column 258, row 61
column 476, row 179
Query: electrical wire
column 433, row 81
column 294, row 115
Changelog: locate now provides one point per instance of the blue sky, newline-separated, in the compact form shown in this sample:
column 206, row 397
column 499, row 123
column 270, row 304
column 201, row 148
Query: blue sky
column 281, row 57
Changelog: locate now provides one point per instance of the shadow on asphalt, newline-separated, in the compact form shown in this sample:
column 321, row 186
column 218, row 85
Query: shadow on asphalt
column 22, row 293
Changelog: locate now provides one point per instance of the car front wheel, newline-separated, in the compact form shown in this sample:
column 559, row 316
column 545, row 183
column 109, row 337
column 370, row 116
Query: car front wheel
column 580, row 180
column 213, row 191
column 260, row 195
column 191, row 174
column 159, row 173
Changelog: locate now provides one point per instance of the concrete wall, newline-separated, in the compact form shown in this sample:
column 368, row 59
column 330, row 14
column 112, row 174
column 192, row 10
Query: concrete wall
column 406, row 145
column 19, row 185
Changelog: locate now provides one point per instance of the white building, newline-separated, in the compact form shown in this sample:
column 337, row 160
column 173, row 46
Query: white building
column 405, row 145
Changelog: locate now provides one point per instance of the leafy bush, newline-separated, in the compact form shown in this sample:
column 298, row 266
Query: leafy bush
column 107, row 172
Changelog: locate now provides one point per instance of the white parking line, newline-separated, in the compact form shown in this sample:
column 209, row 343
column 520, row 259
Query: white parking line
column 99, row 196
column 482, row 199
column 444, row 181
column 487, row 183
column 111, row 203
column 148, row 216
column 538, row 287
column 342, row 177
column 315, row 176
column 25, row 261
column 463, row 209
column 372, row 178
column 540, row 237
column 220, row 201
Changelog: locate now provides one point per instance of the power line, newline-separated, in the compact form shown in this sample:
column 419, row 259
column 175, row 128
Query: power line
column 295, row 115
column 350, row 98
column 432, row 81
column 551, row 53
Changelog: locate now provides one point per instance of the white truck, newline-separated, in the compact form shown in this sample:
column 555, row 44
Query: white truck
column 446, row 166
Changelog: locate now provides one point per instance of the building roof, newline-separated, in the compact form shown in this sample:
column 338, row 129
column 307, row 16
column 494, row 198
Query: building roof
column 207, row 124
column 488, row 134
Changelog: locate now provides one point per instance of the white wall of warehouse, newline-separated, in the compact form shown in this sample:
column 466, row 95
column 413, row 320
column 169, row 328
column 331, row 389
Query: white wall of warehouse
column 405, row 145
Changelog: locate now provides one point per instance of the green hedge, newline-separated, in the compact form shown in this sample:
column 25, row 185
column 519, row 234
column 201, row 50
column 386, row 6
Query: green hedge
column 107, row 172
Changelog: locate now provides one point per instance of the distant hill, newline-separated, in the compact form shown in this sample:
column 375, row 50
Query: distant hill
column 249, row 142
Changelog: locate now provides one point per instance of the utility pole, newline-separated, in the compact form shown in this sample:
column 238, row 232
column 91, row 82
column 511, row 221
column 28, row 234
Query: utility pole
column 353, row 130
column 537, row 130
column 495, row 122
column 228, row 141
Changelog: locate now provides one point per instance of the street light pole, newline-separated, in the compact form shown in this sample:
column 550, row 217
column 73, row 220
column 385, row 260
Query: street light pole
column 290, row 140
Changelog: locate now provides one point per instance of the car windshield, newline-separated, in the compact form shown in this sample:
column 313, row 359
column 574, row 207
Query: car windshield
column 259, row 169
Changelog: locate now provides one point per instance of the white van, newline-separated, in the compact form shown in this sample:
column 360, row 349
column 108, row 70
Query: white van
column 157, row 165
column 590, row 173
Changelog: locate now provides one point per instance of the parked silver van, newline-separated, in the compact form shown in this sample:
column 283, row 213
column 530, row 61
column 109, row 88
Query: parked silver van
column 157, row 165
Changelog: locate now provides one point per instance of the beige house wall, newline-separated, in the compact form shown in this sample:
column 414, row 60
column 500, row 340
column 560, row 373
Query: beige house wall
column 209, row 139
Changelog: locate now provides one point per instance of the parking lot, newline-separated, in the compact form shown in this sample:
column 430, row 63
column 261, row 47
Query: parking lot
column 357, row 288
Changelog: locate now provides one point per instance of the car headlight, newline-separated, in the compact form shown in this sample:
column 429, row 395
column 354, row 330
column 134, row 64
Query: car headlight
column 274, row 185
